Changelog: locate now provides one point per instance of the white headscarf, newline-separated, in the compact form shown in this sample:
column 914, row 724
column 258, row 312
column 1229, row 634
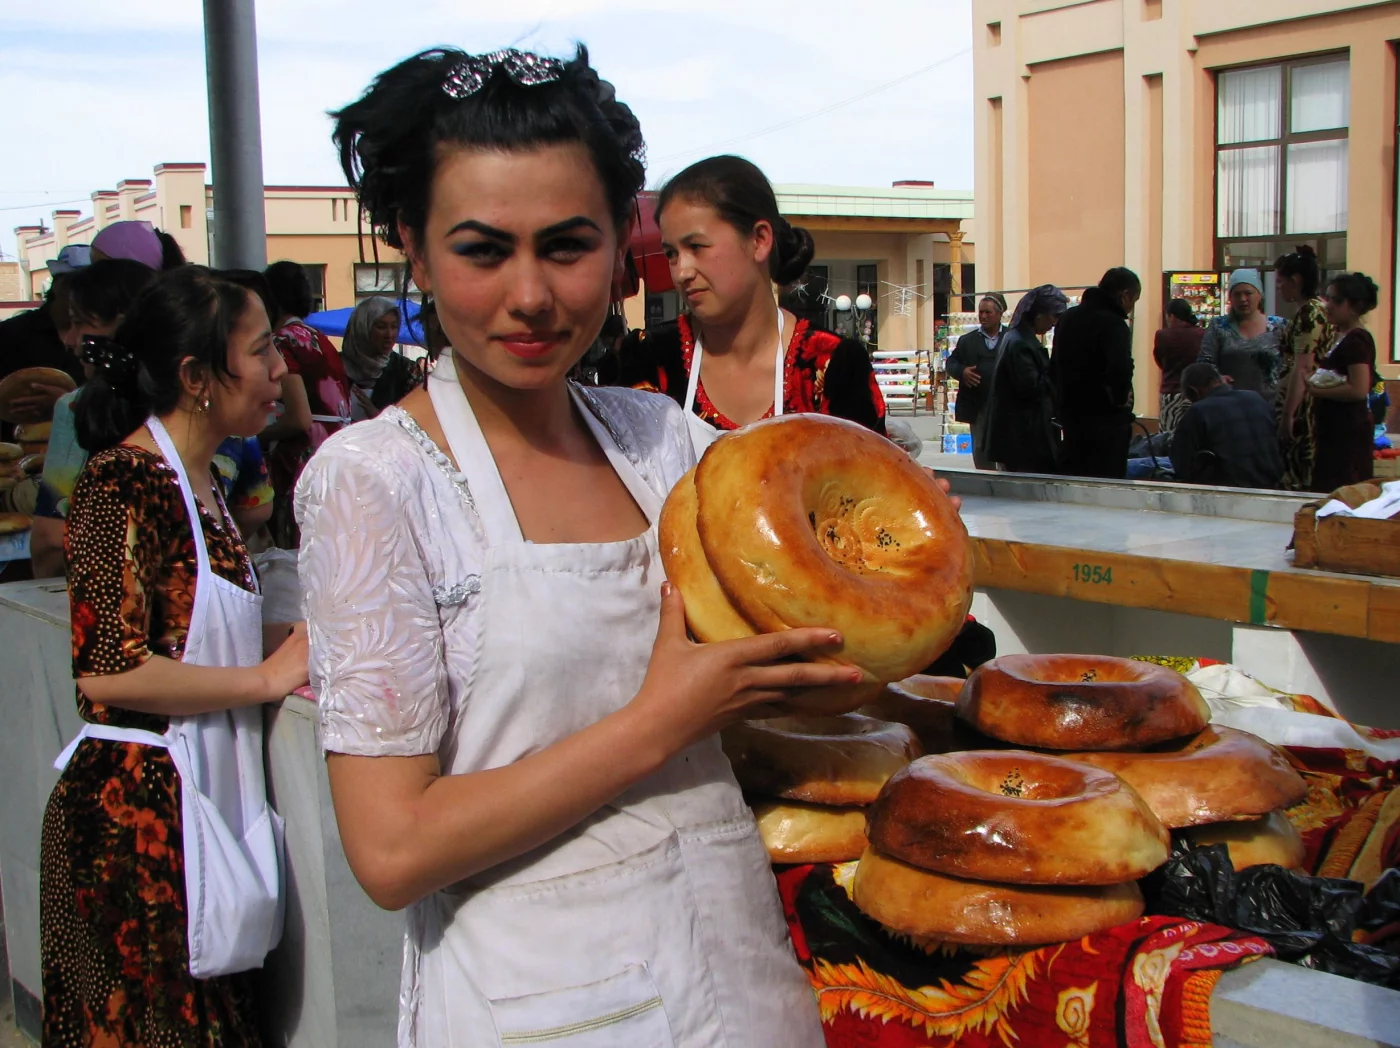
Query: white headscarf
column 363, row 363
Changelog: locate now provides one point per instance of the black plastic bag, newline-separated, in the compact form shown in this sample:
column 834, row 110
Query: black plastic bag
column 1307, row 920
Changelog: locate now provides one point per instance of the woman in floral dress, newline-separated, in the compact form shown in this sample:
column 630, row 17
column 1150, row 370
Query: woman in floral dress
column 195, row 353
column 1305, row 340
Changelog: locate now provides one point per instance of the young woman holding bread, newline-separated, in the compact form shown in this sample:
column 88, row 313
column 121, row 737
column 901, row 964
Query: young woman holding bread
column 728, row 248
column 521, row 737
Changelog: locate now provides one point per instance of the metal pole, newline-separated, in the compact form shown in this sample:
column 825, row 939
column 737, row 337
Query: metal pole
column 235, row 134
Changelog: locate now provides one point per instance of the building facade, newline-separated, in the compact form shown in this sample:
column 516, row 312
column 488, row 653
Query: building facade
column 1185, row 135
column 904, row 246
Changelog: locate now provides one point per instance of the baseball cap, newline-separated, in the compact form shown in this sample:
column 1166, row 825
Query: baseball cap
column 72, row 257
column 130, row 239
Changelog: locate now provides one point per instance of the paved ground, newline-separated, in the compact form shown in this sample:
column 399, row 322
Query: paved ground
column 10, row 1037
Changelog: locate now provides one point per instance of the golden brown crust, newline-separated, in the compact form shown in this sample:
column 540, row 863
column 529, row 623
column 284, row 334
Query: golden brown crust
column 806, row 520
column 16, row 386
column 929, row 688
column 794, row 832
column 1257, row 842
column 1214, row 776
column 840, row 760
column 921, row 703
column 10, row 523
column 708, row 612
column 1081, row 702
column 1017, row 818
column 33, row 432
column 918, row 902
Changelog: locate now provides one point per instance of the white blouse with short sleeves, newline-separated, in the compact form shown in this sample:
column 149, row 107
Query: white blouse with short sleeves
column 390, row 562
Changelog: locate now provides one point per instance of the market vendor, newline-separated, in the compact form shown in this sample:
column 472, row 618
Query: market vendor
column 159, row 885
column 521, row 737
column 728, row 247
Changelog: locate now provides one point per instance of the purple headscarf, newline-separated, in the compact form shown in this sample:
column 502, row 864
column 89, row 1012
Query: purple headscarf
column 1045, row 299
column 134, row 240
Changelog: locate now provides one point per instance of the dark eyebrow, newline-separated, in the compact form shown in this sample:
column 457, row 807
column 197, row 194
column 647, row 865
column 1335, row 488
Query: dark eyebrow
column 472, row 225
column 566, row 225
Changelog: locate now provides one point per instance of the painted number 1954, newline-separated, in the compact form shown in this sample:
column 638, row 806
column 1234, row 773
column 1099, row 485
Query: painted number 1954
column 1094, row 574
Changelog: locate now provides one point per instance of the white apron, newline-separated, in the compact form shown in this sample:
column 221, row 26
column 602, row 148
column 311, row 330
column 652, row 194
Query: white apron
column 232, row 837
column 702, row 434
column 655, row 921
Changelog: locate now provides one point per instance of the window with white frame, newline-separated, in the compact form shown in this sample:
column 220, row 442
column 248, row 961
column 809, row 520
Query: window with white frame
column 383, row 278
column 1282, row 154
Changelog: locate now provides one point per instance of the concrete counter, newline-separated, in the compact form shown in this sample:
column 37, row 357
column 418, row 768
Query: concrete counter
column 1136, row 568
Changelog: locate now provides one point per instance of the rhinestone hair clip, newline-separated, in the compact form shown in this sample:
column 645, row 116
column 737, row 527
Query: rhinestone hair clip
column 468, row 76
column 111, row 357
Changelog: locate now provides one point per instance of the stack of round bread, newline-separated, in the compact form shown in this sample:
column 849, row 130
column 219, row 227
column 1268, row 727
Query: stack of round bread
column 806, row 520
column 15, row 482
column 1148, row 725
column 1006, row 847
column 809, row 779
column 21, row 463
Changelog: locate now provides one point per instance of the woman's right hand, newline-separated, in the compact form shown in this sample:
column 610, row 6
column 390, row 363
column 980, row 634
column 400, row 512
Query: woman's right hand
column 285, row 670
column 693, row 690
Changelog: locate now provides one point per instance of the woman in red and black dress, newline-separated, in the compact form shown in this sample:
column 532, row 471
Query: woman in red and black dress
column 1343, row 432
column 316, row 395
column 728, row 247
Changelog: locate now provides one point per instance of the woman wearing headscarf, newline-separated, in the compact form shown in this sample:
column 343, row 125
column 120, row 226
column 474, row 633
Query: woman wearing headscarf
column 1245, row 344
column 378, row 376
column 1021, row 433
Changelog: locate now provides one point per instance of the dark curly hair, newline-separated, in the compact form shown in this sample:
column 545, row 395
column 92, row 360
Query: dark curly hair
column 183, row 313
column 1301, row 263
column 392, row 138
column 1359, row 290
column 741, row 194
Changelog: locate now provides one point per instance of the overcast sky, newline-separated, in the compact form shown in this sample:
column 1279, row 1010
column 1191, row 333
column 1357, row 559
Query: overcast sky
column 95, row 91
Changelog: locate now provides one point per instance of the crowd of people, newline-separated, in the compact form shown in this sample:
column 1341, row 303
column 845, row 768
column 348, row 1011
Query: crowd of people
column 1247, row 400
column 507, row 692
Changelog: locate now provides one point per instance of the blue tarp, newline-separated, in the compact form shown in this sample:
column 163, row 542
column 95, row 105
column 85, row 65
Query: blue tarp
column 335, row 321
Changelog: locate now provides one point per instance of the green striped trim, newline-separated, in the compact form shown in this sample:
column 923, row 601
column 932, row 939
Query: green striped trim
column 586, row 1026
column 1258, row 590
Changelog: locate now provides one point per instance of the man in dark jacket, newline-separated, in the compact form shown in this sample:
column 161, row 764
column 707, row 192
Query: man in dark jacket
column 1092, row 368
column 1228, row 436
column 972, row 363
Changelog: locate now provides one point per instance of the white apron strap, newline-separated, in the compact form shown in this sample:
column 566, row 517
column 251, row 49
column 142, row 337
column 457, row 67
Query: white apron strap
column 778, row 367
column 112, row 733
column 467, row 445
column 643, row 494
column 693, row 383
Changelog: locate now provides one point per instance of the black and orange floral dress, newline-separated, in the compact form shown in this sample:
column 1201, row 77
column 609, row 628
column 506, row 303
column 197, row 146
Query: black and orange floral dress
column 111, row 881
column 823, row 373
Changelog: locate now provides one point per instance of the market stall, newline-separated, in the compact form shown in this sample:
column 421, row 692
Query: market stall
column 1196, row 578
